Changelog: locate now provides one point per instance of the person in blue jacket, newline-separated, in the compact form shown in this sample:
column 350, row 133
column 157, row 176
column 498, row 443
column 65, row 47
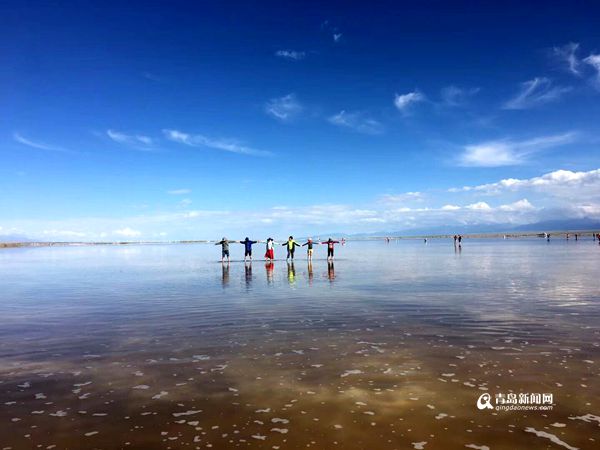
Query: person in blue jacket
column 248, row 248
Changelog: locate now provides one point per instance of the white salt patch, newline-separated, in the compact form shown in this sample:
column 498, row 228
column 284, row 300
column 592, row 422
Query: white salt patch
column 419, row 445
column 369, row 413
column 160, row 395
column 194, row 423
column 141, row 386
column 278, row 420
column 316, row 365
column 201, row 357
column 447, row 374
column 361, row 403
column 559, row 425
column 431, row 406
column 477, row 447
column 37, row 412
column 99, row 414
column 25, row 385
column 39, row 396
column 351, row 372
column 232, row 389
column 84, row 396
column 337, row 426
column 91, row 433
column 280, row 430
column 186, row 413
column 552, row 438
column 587, row 418
column 266, row 410
column 59, row 414
column 259, row 437
column 441, row 416
column 589, row 361
column 138, row 374
column 82, row 384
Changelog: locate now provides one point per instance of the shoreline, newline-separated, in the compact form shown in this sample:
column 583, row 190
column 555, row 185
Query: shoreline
column 498, row 235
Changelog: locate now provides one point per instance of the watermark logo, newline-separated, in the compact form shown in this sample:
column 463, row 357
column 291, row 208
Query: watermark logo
column 516, row 402
column 484, row 401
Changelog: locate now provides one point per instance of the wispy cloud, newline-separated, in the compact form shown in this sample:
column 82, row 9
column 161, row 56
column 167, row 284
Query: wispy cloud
column 404, row 101
column 594, row 61
column 536, row 92
column 357, row 122
column 225, row 144
column 454, row 96
column 337, row 37
column 509, row 153
column 567, row 54
column 179, row 191
column 290, row 54
column 284, row 108
column 136, row 141
column 39, row 145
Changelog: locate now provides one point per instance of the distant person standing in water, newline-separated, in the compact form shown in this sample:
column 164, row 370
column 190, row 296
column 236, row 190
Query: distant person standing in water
column 309, row 250
column 270, row 250
column 224, row 243
column 248, row 248
column 455, row 238
column 548, row 237
column 459, row 240
column 330, row 244
column 291, row 247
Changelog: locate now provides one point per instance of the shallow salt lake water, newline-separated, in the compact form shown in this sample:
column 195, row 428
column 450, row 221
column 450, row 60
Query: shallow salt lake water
column 161, row 346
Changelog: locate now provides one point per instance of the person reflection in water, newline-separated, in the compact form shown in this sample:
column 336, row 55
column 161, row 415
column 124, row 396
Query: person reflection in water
column 310, row 272
column 248, row 274
column 291, row 272
column 225, row 275
column 269, row 267
column 330, row 271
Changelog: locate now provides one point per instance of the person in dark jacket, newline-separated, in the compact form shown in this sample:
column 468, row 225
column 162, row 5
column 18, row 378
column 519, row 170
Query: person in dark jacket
column 248, row 248
column 330, row 243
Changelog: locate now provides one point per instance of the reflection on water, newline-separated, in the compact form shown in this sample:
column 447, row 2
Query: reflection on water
column 142, row 347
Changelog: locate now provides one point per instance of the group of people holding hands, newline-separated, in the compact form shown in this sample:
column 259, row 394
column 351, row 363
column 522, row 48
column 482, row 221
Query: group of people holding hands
column 290, row 244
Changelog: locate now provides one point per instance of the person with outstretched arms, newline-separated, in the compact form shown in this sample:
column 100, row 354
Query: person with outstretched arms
column 224, row 243
column 291, row 247
column 248, row 248
column 309, row 250
column 330, row 244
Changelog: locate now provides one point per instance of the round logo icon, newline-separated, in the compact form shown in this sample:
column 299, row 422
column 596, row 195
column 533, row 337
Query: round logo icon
column 484, row 401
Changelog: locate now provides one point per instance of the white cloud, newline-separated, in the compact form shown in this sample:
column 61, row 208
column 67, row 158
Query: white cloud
column 536, row 92
column 404, row 197
column 454, row 96
column 64, row 234
column 290, row 54
column 127, row 232
column 225, row 144
column 38, row 145
column 518, row 206
column 507, row 153
column 185, row 202
column 405, row 101
column 594, row 61
column 284, row 108
column 561, row 183
column 179, row 191
column 568, row 54
column 450, row 208
column 137, row 141
column 479, row 206
column 356, row 121
column 337, row 37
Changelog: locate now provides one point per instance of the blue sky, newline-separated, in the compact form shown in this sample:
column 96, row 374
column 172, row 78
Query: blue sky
column 154, row 120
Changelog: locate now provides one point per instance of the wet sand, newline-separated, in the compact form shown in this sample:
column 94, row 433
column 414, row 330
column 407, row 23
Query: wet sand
column 161, row 347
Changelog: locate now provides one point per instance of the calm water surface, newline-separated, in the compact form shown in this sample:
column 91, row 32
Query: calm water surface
column 388, row 348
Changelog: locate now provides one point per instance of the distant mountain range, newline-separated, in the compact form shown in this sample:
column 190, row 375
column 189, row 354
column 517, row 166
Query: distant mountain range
column 548, row 225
